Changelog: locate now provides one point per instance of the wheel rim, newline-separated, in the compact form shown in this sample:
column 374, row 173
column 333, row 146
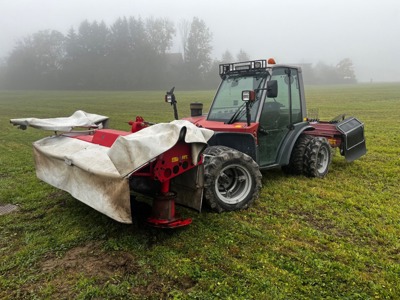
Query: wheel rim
column 323, row 160
column 233, row 184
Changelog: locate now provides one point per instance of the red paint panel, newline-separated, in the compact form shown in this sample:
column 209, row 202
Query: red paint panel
column 221, row 126
column 107, row 137
column 327, row 130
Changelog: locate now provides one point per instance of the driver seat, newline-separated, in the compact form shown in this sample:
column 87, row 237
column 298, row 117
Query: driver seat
column 270, row 115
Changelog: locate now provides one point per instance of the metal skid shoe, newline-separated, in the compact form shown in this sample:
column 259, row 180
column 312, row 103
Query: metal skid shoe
column 163, row 212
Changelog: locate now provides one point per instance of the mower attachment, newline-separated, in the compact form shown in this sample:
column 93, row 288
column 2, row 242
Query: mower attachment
column 96, row 165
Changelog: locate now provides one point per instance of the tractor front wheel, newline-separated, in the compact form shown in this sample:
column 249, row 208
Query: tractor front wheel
column 317, row 157
column 232, row 179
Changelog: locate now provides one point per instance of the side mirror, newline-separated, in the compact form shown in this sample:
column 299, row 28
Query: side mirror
column 272, row 89
column 248, row 96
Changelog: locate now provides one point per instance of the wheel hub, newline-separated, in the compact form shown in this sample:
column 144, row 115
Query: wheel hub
column 233, row 183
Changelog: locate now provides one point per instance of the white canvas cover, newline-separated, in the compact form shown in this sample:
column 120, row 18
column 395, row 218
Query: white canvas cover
column 98, row 175
column 77, row 119
column 132, row 151
column 85, row 171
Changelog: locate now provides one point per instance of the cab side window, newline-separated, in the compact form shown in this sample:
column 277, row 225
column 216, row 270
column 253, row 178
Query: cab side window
column 283, row 92
column 296, row 100
column 288, row 85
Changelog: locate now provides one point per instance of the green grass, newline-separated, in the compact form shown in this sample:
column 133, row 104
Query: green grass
column 302, row 239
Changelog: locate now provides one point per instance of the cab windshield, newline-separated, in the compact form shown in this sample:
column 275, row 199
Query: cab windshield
column 229, row 97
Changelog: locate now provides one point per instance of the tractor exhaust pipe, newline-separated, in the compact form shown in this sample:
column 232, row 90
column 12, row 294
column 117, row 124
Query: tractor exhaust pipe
column 196, row 109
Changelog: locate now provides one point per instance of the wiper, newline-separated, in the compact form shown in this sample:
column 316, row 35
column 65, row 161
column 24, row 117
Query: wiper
column 236, row 114
column 239, row 112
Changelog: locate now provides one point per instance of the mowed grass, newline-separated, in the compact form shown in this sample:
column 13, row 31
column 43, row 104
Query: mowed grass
column 332, row 238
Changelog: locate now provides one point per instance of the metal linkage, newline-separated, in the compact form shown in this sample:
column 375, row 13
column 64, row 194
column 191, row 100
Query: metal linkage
column 163, row 212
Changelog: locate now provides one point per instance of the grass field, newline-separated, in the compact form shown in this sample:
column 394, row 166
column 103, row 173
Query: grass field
column 332, row 238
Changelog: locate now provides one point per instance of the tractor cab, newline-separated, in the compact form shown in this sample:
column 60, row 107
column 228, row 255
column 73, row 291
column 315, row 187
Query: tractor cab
column 262, row 102
column 273, row 99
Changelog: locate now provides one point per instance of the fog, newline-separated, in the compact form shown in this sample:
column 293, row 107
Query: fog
column 291, row 31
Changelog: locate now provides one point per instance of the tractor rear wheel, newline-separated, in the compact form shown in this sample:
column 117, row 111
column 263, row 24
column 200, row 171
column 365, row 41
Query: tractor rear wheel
column 232, row 179
column 317, row 157
column 296, row 162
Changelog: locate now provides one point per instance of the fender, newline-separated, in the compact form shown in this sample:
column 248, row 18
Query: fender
column 241, row 141
column 288, row 143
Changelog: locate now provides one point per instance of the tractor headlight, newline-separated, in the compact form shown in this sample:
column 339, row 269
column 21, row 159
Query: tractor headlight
column 248, row 96
column 168, row 98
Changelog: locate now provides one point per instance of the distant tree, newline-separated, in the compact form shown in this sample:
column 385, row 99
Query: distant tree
column 120, row 56
column 138, row 33
column 160, row 33
column 322, row 73
column 132, row 53
column 71, row 45
column 49, row 48
column 184, row 29
column 227, row 57
column 69, row 78
column 93, row 47
column 120, row 36
column 2, row 73
column 36, row 61
column 242, row 56
column 93, row 38
column 213, row 78
column 326, row 74
column 345, row 70
column 148, row 54
column 198, row 51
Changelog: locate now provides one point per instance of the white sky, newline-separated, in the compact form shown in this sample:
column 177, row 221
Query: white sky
column 292, row 31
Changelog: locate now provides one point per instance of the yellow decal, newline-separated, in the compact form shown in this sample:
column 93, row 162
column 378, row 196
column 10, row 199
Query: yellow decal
column 185, row 157
column 174, row 159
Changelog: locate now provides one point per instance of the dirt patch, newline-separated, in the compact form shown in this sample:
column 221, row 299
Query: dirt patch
column 92, row 261
column 105, row 267
column 318, row 223
column 89, row 261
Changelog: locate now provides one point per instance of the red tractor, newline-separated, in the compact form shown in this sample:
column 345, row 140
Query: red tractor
column 257, row 121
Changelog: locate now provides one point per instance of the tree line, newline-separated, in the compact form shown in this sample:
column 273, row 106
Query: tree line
column 130, row 54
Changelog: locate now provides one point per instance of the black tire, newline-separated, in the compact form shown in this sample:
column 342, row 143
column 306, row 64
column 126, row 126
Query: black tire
column 296, row 162
column 317, row 158
column 232, row 179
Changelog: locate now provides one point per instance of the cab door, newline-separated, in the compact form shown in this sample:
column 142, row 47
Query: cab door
column 278, row 114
